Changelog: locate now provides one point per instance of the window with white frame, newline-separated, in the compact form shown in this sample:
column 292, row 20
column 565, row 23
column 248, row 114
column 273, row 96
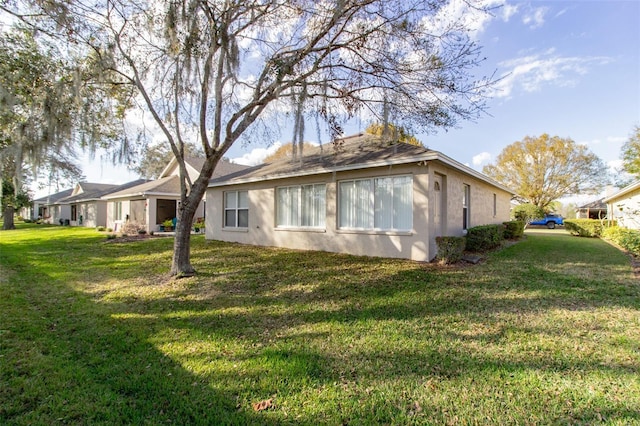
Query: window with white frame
column 236, row 209
column 301, row 206
column 384, row 203
column 465, row 206
column 117, row 210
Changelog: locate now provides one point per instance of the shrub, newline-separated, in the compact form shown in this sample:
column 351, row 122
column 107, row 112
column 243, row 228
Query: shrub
column 586, row 227
column 484, row 237
column 513, row 229
column 526, row 212
column 132, row 228
column 109, row 230
column 628, row 239
column 450, row 249
column 111, row 236
column 101, row 228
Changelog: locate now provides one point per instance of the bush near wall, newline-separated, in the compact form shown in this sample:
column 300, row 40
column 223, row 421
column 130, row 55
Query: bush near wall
column 132, row 228
column 484, row 237
column 628, row 239
column 450, row 249
column 513, row 229
column 587, row 227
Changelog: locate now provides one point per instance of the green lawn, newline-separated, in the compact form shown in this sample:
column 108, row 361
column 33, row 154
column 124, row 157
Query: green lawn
column 546, row 331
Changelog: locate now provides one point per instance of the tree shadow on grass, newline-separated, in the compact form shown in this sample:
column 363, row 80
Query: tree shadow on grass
column 259, row 323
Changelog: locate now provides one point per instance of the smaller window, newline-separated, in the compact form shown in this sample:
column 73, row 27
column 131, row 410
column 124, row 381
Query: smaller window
column 236, row 209
column 495, row 205
column 117, row 213
column 465, row 206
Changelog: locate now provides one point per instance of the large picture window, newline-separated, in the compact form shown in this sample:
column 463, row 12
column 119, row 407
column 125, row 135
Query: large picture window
column 302, row 206
column 384, row 203
column 236, row 209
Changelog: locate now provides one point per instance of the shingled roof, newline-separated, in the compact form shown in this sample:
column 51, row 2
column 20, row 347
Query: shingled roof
column 94, row 191
column 351, row 153
column 170, row 185
column 54, row 198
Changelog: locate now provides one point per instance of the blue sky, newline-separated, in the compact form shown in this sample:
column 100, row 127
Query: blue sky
column 568, row 68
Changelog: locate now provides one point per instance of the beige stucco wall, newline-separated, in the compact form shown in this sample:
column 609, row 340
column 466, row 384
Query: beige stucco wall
column 94, row 213
column 418, row 244
column 626, row 210
column 57, row 212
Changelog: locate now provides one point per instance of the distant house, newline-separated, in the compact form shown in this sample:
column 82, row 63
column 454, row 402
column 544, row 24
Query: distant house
column 80, row 206
column 49, row 209
column 624, row 206
column 86, row 206
column 151, row 203
column 594, row 210
column 359, row 196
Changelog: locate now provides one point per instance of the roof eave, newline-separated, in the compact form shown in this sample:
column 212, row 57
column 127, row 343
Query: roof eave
column 428, row 156
column 623, row 191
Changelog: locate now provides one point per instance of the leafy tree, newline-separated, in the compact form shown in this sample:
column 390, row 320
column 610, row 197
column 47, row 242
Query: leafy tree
column 156, row 157
column 393, row 132
column 47, row 110
column 544, row 168
column 217, row 72
column 631, row 153
column 285, row 151
column 527, row 212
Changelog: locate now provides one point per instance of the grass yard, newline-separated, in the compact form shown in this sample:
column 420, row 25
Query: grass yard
column 546, row 331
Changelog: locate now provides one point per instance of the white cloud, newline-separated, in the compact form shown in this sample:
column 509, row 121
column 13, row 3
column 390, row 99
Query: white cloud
column 481, row 159
column 508, row 10
column 535, row 17
column 460, row 11
column 530, row 73
column 257, row 155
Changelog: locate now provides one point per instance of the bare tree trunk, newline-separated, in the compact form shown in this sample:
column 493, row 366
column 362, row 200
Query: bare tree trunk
column 8, row 218
column 181, row 265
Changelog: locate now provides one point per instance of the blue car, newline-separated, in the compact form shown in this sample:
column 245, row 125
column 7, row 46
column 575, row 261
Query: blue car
column 550, row 221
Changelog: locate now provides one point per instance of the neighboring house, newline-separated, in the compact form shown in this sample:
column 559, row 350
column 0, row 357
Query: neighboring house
column 85, row 203
column 624, row 206
column 153, row 202
column 594, row 210
column 358, row 196
column 49, row 209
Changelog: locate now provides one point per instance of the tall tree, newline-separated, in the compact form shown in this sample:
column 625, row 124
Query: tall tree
column 46, row 110
column 545, row 168
column 155, row 158
column 393, row 132
column 631, row 153
column 212, row 71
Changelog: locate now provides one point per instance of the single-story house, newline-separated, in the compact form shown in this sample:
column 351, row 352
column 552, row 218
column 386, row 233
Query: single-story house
column 151, row 203
column 86, row 206
column 593, row 210
column 49, row 209
column 359, row 195
column 624, row 206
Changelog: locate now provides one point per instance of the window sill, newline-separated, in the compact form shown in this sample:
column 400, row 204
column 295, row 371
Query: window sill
column 235, row 229
column 374, row 232
column 300, row 229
